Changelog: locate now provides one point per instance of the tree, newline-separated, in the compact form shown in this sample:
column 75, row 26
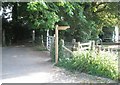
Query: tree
column 16, row 28
column 40, row 15
column 86, row 19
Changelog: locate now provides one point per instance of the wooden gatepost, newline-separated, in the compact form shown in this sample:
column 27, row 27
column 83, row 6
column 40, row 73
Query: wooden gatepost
column 56, row 40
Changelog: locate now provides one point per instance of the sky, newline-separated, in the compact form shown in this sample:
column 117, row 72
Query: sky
column 7, row 10
column 1, row 12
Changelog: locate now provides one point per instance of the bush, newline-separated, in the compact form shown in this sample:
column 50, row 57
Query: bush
column 60, row 53
column 100, row 64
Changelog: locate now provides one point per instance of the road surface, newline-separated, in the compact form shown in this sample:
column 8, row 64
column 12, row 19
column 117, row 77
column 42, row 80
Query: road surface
column 25, row 65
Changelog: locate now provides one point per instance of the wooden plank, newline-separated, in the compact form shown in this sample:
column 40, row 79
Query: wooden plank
column 85, row 48
column 111, row 43
column 85, row 44
column 63, row 27
column 67, row 49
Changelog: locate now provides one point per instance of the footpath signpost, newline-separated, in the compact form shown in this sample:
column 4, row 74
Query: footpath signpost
column 56, row 40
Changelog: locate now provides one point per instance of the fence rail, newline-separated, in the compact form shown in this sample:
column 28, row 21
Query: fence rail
column 91, row 45
column 77, row 46
column 63, row 45
column 67, row 49
column 109, row 49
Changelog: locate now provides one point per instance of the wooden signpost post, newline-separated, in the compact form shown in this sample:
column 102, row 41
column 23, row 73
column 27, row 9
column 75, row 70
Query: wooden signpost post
column 33, row 37
column 56, row 40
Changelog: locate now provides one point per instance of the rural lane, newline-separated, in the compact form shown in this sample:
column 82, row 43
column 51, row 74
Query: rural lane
column 25, row 65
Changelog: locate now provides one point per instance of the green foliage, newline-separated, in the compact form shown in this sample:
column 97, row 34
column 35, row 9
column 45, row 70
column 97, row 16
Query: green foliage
column 40, row 48
column 62, row 23
column 101, row 64
column 40, row 15
column 85, row 19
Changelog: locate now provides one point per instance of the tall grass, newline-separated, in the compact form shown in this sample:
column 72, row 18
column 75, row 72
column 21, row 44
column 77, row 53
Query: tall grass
column 102, row 64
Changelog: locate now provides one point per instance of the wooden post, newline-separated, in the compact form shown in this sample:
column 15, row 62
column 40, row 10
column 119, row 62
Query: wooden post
column 56, row 44
column 116, row 33
column 56, row 40
column 33, row 36
column 73, row 44
column 98, row 50
column 62, row 42
column 79, row 47
column 93, row 45
column 47, row 39
column 42, row 40
column 90, row 45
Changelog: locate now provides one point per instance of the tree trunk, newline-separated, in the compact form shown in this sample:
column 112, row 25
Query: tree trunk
column 3, row 38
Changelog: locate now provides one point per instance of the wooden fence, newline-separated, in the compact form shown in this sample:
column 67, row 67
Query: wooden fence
column 67, row 51
column 77, row 46
column 109, row 49
column 91, row 45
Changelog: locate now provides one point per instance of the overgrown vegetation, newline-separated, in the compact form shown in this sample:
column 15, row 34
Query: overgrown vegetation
column 100, row 64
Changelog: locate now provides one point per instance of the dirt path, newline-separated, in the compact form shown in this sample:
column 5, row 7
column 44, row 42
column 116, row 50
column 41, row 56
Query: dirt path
column 24, row 65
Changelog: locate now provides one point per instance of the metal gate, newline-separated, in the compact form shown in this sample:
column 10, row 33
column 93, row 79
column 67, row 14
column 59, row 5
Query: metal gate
column 50, row 40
